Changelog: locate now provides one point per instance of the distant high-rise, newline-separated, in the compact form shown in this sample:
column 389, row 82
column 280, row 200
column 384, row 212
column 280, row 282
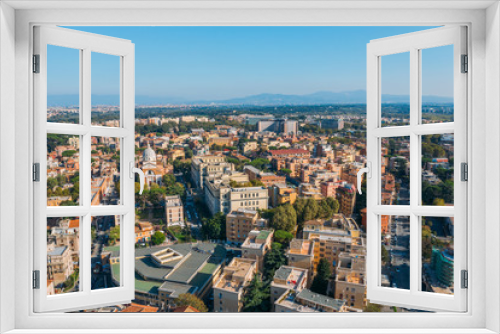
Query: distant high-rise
column 279, row 126
column 334, row 124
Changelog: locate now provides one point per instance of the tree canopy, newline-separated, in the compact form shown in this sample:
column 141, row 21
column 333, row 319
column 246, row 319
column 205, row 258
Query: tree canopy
column 187, row 299
column 158, row 238
column 256, row 296
column 320, row 282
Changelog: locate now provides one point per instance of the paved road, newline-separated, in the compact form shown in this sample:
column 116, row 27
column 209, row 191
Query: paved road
column 399, row 249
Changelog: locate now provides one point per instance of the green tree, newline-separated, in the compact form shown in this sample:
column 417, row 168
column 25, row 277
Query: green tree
column 320, row 282
column 284, row 218
column 158, row 238
column 256, row 296
column 114, row 235
column 385, row 255
column 187, row 299
column 286, row 171
column 273, row 259
column 283, row 237
column 215, row 227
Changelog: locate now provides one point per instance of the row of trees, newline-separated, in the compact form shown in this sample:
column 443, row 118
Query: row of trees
column 287, row 217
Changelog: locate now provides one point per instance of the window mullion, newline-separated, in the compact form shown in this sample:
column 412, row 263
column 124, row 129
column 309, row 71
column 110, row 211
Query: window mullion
column 414, row 167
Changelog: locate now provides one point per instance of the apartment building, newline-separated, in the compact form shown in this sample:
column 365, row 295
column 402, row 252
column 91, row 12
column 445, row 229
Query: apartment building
column 346, row 195
column 208, row 165
column 287, row 278
column 256, row 245
column 350, row 280
column 59, row 264
column 249, row 146
column 332, row 237
column 221, row 141
column 266, row 178
column 143, row 232
column 221, row 197
column 280, row 193
column 240, row 222
column 174, row 210
column 229, row 288
column 301, row 255
column 308, row 301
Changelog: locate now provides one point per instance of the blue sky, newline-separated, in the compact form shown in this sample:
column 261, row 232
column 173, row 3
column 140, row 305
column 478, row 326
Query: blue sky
column 227, row 62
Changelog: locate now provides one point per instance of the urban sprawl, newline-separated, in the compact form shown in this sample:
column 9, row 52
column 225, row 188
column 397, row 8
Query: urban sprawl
column 249, row 210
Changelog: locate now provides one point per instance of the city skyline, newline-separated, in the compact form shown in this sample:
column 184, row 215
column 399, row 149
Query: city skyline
column 219, row 63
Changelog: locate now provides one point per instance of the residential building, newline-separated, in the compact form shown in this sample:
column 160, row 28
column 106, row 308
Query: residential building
column 240, row 222
column 221, row 141
column 256, row 245
column 307, row 301
column 174, row 210
column 229, row 288
column 143, row 232
column 332, row 237
column 301, row 255
column 249, row 146
column 280, row 193
column 221, row 197
column 268, row 179
column 287, row 278
column 209, row 165
column 346, row 195
column 350, row 280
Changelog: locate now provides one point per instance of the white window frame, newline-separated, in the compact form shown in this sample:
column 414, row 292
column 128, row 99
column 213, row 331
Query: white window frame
column 412, row 44
column 86, row 44
column 15, row 38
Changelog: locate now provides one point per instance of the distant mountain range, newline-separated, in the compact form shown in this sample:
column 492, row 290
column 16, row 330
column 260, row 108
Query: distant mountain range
column 324, row 97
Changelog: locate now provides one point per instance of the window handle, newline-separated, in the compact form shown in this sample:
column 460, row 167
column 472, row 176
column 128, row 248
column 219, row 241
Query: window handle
column 368, row 171
column 139, row 171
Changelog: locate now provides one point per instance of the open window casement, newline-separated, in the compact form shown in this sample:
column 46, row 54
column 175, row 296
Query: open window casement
column 63, row 239
column 430, row 268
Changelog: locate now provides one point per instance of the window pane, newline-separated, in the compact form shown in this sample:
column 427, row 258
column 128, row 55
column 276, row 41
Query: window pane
column 106, row 237
column 63, row 170
column 437, row 169
column 105, row 90
column 395, row 171
column 395, row 251
column 437, row 84
column 63, row 255
column 395, row 81
column 63, row 95
column 105, row 171
column 437, row 254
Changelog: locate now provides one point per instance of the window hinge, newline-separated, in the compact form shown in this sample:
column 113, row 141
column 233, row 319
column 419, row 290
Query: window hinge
column 36, row 279
column 464, row 171
column 465, row 64
column 36, row 172
column 465, row 279
column 36, row 63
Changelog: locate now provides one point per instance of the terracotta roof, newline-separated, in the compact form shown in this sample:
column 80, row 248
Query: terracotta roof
column 137, row 308
column 288, row 152
column 74, row 223
column 186, row 309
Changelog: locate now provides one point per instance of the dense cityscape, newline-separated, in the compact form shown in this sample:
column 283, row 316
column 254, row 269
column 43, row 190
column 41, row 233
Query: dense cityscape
column 250, row 209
